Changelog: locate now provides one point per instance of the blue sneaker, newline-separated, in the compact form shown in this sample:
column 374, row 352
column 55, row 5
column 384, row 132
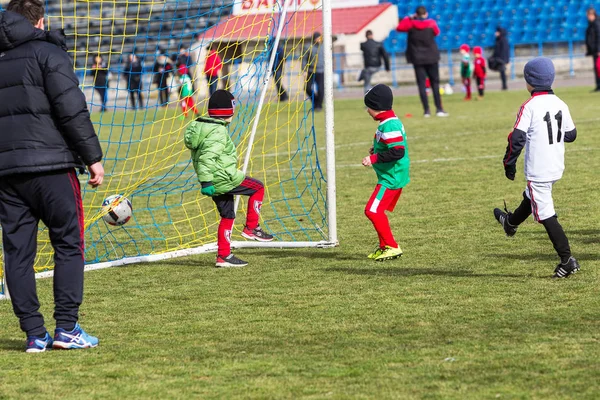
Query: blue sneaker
column 75, row 339
column 37, row 345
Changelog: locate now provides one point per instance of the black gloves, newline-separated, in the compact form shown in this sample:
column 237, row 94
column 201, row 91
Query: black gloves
column 510, row 171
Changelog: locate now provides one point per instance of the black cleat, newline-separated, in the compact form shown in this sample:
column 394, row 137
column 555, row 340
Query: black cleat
column 566, row 270
column 230, row 261
column 257, row 234
column 502, row 218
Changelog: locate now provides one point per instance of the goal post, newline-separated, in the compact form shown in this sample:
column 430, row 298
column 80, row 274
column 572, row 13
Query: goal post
column 285, row 144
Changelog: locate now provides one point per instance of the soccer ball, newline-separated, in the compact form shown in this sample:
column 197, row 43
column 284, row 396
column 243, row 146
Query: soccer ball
column 448, row 89
column 118, row 210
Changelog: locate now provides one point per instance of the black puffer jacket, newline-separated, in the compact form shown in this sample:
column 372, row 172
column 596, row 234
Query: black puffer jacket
column 373, row 53
column 592, row 38
column 44, row 121
column 501, row 47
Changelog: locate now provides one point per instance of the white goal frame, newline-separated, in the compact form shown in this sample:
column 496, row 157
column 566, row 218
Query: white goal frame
column 332, row 239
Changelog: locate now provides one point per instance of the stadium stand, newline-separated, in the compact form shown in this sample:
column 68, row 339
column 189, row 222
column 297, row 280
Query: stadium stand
column 120, row 28
column 474, row 21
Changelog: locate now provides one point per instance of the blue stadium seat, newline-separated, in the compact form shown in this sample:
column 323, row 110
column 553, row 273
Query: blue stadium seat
column 474, row 21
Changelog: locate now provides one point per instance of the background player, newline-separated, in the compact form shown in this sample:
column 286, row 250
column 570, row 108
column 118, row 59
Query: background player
column 186, row 92
column 389, row 158
column 479, row 70
column 465, row 69
column 543, row 126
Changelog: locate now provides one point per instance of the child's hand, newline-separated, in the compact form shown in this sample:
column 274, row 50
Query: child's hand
column 207, row 189
column 367, row 161
column 371, row 150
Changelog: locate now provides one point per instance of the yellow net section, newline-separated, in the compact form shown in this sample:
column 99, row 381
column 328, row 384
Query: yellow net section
column 145, row 157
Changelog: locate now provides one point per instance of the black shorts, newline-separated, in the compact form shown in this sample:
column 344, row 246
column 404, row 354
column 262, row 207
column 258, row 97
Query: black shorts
column 225, row 202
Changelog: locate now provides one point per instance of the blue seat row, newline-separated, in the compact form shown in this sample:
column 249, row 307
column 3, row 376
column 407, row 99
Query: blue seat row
column 475, row 21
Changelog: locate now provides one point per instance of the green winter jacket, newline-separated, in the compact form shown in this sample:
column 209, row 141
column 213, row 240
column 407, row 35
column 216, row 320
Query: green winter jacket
column 213, row 154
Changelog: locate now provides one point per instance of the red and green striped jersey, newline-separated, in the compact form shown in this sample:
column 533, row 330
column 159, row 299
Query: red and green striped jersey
column 391, row 136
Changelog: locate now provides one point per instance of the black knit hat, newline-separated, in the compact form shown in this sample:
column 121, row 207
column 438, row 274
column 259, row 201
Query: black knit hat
column 221, row 104
column 380, row 98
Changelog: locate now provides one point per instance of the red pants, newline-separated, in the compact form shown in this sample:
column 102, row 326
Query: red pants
column 383, row 200
column 467, row 83
column 255, row 190
column 187, row 103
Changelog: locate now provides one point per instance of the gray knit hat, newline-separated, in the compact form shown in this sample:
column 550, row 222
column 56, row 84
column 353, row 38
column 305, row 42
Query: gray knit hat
column 539, row 73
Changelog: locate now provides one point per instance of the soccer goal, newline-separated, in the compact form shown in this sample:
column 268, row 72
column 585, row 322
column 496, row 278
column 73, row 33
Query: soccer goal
column 282, row 141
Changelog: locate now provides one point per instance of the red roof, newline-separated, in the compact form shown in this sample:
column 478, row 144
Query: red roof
column 299, row 24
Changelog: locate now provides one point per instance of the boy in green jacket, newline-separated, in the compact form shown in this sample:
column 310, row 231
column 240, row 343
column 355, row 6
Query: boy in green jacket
column 215, row 160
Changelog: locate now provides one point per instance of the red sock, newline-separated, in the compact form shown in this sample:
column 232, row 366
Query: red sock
column 381, row 241
column 382, row 226
column 224, row 237
column 254, row 206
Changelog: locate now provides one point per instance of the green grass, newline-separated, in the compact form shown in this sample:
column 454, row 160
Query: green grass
column 466, row 314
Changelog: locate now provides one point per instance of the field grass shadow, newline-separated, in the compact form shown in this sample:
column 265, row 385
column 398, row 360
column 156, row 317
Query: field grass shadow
column 325, row 254
column 281, row 254
column 11, row 344
column 423, row 271
column 550, row 257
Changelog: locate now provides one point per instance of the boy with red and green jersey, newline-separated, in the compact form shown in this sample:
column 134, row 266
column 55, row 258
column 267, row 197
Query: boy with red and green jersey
column 186, row 92
column 389, row 158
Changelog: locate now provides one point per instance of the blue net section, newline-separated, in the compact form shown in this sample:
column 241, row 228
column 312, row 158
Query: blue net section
column 132, row 59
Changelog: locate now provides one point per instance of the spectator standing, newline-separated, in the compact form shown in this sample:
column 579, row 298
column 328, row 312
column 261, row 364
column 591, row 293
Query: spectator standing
column 100, row 71
column 133, row 76
column 46, row 134
column 212, row 68
column 423, row 53
column 501, row 55
column 278, row 69
column 163, row 69
column 373, row 55
column 183, row 58
column 313, row 62
column 592, row 42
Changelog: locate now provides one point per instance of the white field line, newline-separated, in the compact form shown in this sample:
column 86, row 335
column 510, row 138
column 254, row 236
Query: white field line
column 366, row 144
column 457, row 159
column 411, row 138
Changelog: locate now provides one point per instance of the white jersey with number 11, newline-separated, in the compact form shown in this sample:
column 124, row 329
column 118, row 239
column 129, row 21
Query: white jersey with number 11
column 544, row 118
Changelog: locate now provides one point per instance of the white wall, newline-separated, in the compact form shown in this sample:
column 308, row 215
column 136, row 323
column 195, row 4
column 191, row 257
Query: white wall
column 381, row 27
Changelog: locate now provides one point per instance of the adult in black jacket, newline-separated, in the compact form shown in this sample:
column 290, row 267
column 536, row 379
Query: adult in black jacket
column 100, row 71
column 133, row 76
column 422, row 52
column 163, row 69
column 45, row 134
column 501, row 55
column 278, row 70
column 373, row 54
column 592, row 42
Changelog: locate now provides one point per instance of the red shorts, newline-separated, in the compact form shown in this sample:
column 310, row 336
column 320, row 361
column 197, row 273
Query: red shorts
column 383, row 199
column 187, row 102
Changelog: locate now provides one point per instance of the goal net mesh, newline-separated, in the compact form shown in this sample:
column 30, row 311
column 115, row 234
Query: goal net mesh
column 145, row 157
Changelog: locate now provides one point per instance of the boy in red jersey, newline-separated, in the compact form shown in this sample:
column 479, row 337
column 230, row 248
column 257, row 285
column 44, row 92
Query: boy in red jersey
column 479, row 70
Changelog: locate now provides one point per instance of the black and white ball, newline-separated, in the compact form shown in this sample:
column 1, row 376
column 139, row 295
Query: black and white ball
column 118, row 210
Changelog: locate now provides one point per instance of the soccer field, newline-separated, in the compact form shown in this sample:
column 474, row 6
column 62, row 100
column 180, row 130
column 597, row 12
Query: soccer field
column 465, row 314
